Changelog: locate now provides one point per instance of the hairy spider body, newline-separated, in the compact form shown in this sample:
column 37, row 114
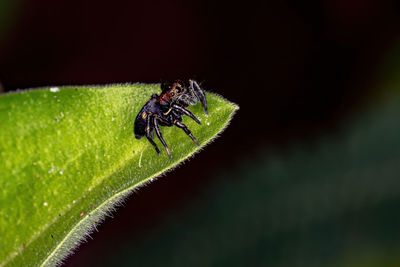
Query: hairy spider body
column 167, row 109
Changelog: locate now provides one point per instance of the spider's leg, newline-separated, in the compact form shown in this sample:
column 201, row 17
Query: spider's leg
column 154, row 144
column 165, row 121
column 186, row 112
column 149, row 135
column 186, row 130
column 195, row 88
column 149, row 129
column 159, row 135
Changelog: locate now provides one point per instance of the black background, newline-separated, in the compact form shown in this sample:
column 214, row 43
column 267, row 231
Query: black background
column 296, row 69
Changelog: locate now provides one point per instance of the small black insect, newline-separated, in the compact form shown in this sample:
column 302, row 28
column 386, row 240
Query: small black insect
column 167, row 109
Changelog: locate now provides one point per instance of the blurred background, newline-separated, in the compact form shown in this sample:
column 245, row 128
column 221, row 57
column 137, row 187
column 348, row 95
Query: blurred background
column 307, row 174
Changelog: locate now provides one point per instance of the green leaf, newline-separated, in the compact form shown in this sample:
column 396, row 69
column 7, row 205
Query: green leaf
column 68, row 155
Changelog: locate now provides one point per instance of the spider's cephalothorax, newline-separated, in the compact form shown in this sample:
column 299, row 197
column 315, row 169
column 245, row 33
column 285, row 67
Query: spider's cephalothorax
column 167, row 109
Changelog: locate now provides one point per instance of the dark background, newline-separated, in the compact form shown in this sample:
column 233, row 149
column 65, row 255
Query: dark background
column 297, row 70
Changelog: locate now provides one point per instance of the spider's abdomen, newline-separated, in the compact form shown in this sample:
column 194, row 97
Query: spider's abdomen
column 140, row 125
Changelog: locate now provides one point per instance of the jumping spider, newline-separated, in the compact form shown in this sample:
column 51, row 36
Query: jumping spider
column 167, row 109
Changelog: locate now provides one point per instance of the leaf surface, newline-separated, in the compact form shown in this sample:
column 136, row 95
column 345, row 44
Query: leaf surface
column 68, row 155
